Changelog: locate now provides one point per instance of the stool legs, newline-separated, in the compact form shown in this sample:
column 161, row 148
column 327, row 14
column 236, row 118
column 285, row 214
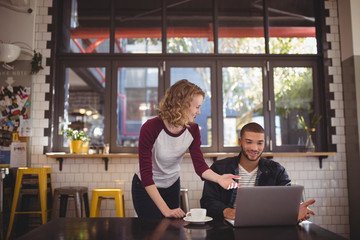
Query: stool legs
column 14, row 202
column 95, row 206
column 78, row 204
column 80, row 196
column 43, row 193
column 119, row 203
column 86, row 203
column 184, row 200
column 63, row 205
column 98, row 206
column 55, row 209
column 42, row 182
column 97, row 196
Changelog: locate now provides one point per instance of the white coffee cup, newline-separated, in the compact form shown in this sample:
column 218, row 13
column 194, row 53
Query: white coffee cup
column 197, row 213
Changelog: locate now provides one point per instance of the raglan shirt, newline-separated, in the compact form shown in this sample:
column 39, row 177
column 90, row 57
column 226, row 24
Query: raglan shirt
column 161, row 152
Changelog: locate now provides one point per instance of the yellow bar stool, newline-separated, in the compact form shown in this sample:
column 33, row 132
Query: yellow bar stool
column 42, row 173
column 104, row 193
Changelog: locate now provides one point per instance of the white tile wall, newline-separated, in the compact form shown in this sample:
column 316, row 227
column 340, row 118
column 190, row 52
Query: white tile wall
column 335, row 215
column 327, row 185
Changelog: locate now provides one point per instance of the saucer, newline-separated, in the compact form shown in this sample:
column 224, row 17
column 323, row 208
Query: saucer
column 189, row 219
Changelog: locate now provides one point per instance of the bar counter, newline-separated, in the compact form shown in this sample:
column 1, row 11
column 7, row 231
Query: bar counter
column 154, row 229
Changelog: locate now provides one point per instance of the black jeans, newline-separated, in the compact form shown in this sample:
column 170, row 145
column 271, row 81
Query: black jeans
column 144, row 205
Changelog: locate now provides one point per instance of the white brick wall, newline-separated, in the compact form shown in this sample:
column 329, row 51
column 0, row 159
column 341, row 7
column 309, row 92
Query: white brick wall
column 327, row 185
column 39, row 86
column 333, row 213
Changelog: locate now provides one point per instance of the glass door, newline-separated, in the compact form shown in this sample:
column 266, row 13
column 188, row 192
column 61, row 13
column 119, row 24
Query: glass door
column 242, row 96
column 293, row 97
column 84, row 88
column 135, row 99
column 202, row 74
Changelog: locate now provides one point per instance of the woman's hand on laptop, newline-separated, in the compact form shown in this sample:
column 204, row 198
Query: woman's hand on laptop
column 304, row 211
column 229, row 213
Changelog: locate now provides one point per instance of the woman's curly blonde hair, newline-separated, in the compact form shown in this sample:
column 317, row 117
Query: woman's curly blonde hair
column 176, row 101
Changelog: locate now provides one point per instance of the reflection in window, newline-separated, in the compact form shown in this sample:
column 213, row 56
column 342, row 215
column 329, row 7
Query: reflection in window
column 201, row 77
column 242, row 100
column 292, row 27
column 190, row 27
column 137, row 101
column 138, row 26
column 84, row 102
column 293, row 89
column 88, row 29
column 241, row 28
column 138, row 29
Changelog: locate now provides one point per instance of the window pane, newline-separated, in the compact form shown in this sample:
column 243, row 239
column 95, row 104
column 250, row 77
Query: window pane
column 242, row 100
column 84, row 102
column 201, row 77
column 138, row 26
column 292, row 27
column 137, row 101
column 241, row 28
column 86, row 26
column 189, row 27
column 293, row 88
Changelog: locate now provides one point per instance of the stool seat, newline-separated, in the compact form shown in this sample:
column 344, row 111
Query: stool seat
column 100, row 193
column 42, row 174
column 61, row 195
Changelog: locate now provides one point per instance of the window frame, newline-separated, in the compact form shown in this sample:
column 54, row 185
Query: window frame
column 113, row 112
column 317, row 95
column 256, row 62
column 62, row 65
column 111, row 60
column 214, row 106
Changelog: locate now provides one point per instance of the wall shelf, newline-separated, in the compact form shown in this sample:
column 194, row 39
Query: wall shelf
column 105, row 157
column 60, row 156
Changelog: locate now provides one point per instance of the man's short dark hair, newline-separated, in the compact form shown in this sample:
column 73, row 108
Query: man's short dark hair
column 252, row 127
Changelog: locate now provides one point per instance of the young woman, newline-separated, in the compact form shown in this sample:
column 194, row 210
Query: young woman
column 163, row 142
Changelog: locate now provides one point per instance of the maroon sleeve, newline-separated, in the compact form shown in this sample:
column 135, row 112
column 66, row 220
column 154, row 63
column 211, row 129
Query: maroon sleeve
column 195, row 151
column 148, row 134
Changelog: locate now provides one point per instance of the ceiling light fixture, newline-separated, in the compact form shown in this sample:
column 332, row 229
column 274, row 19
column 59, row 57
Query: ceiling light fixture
column 82, row 110
column 9, row 53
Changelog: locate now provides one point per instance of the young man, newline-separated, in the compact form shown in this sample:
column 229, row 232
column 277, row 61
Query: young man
column 254, row 171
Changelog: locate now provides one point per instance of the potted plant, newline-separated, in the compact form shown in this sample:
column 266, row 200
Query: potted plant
column 85, row 145
column 36, row 63
column 76, row 139
column 310, row 130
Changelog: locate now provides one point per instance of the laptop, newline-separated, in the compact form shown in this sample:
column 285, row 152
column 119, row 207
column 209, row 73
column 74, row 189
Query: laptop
column 267, row 206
